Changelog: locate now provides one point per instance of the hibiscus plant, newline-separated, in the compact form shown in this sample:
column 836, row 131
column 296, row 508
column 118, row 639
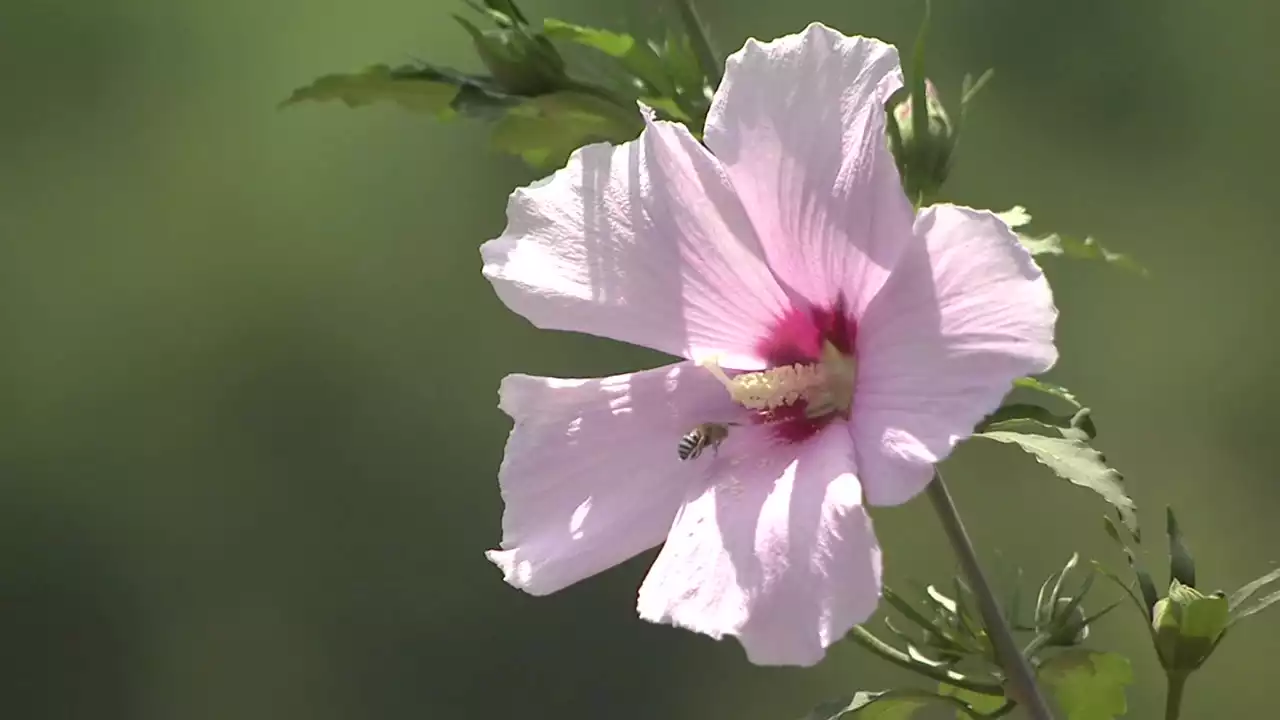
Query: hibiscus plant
column 771, row 219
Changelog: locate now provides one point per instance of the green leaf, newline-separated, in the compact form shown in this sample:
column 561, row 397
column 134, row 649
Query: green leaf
column 1073, row 459
column 710, row 64
column 1088, row 685
column 902, row 704
column 978, row 704
column 1015, row 217
column 1040, row 386
column 546, row 129
column 1246, row 591
column 507, row 8
column 681, row 62
column 636, row 57
column 969, row 89
column 669, row 108
column 1078, row 249
column 380, row 83
column 1020, row 416
column 1182, row 567
column 1266, row 602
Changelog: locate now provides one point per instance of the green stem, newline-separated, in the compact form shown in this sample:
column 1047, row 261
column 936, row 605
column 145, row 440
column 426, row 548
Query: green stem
column 892, row 654
column 701, row 40
column 1022, row 682
column 1173, row 695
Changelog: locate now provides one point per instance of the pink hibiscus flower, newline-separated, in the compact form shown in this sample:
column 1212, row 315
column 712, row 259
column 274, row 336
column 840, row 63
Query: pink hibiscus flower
column 844, row 343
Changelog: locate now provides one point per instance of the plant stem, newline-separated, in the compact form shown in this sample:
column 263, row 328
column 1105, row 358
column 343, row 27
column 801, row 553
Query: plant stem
column 698, row 35
column 892, row 654
column 1173, row 695
column 1022, row 682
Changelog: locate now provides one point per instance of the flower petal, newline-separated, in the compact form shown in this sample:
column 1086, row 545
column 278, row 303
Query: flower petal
column 646, row 243
column 779, row 551
column 591, row 476
column 965, row 313
column 799, row 124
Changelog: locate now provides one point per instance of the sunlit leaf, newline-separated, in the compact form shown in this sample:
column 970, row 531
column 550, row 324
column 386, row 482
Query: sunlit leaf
column 1015, row 217
column 637, row 58
column 1247, row 591
column 1182, row 567
column 1071, row 457
column 1047, row 388
column 1088, row 685
column 1078, row 249
column 406, row 87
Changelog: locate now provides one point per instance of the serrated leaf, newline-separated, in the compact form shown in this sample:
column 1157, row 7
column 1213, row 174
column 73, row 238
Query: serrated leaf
column 1015, row 217
column 635, row 57
column 380, row 83
column 904, row 704
column 1077, row 249
column 1182, row 567
column 1088, row 685
column 1246, row 591
column 1073, row 460
column 978, row 704
column 1266, row 602
column 1047, row 388
column 1016, row 417
column 545, row 130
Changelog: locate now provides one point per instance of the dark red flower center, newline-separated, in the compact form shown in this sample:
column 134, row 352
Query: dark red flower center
column 799, row 338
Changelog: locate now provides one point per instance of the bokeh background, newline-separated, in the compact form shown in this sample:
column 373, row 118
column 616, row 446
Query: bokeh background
column 248, row 364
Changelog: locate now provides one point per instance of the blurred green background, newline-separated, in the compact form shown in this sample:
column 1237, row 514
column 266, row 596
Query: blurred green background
column 248, row 364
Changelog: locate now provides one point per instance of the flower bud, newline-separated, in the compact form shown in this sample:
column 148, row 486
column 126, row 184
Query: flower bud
column 924, row 160
column 1188, row 625
column 1067, row 625
column 522, row 63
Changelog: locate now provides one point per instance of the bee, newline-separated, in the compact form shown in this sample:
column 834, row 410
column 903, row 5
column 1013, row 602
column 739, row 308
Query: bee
column 705, row 435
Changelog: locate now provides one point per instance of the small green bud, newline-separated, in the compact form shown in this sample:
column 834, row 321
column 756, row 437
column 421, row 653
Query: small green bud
column 522, row 63
column 1068, row 625
column 924, row 161
column 1188, row 625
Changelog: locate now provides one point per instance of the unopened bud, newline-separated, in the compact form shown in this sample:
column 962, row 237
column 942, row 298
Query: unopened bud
column 924, row 160
column 1188, row 625
column 1068, row 625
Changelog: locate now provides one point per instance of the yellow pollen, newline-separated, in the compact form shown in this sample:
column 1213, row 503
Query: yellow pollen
column 771, row 389
column 825, row 386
